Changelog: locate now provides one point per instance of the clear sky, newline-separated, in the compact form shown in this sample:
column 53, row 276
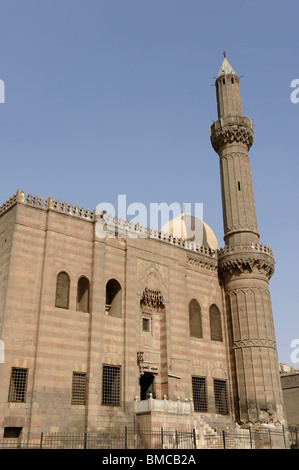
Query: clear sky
column 109, row 97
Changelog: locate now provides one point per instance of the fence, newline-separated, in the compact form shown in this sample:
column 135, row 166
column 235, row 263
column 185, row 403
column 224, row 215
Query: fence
column 286, row 438
column 121, row 439
column 294, row 434
column 160, row 438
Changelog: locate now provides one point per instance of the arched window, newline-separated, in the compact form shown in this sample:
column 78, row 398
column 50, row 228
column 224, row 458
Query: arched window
column 195, row 319
column 62, row 290
column 215, row 324
column 83, row 295
column 113, row 298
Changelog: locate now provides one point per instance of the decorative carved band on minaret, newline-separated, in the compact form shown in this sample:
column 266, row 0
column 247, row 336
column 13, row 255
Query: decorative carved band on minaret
column 254, row 343
column 233, row 129
column 245, row 264
column 247, row 257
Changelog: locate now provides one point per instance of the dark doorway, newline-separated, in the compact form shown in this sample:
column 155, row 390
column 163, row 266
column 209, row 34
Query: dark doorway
column 147, row 386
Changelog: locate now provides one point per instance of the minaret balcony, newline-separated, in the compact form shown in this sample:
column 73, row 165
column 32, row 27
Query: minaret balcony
column 247, row 256
column 231, row 129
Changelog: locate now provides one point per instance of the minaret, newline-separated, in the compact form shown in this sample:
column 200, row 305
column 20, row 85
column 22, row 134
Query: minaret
column 245, row 266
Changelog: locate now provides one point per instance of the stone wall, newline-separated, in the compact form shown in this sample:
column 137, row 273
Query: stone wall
column 290, row 390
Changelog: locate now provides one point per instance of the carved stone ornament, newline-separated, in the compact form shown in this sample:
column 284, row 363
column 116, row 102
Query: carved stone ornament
column 247, row 257
column 244, row 263
column 231, row 134
column 202, row 262
column 250, row 343
column 152, row 298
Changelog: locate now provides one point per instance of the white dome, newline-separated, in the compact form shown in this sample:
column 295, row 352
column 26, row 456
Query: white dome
column 189, row 228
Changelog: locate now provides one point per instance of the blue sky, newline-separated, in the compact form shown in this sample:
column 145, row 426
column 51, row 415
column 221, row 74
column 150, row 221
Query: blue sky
column 109, row 97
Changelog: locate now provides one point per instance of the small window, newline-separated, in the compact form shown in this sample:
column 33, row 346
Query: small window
column 239, row 186
column 83, row 295
column 223, row 81
column 18, row 385
column 215, row 324
column 199, row 394
column 195, row 319
column 12, row 432
column 220, row 393
column 111, row 386
column 146, row 324
column 233, row 81
column 79, row 388
column 113, row 298
column 62, row 290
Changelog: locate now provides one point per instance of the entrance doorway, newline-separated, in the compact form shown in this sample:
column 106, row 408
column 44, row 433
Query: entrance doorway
column 147, row 386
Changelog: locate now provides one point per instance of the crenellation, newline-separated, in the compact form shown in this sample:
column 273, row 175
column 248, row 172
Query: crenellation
column 245, row 247
column 8, row 204
column 113, row 225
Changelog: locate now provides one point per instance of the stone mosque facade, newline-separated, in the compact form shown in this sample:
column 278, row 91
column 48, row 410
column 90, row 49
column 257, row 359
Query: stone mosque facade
column 139, row 327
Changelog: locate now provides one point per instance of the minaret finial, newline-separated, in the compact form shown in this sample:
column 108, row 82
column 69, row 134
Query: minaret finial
column 224, row 53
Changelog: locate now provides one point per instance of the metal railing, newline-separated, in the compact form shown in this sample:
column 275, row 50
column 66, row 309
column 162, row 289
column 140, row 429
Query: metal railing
column 266, row 438
column 160, row 438
column 125, row 438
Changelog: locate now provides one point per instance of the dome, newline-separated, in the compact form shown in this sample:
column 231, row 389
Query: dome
column 189, row 228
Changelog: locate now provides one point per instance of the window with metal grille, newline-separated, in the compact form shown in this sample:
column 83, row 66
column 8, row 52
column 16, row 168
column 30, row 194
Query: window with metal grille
column 220, row 392
column 18, row 385
column 199, row 394
column 79, row 388
column 111, row 386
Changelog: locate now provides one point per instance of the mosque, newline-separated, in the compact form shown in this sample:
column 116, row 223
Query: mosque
column 140, row 327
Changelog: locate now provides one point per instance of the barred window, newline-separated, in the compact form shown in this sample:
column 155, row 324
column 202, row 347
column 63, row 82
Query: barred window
column 111, row 386
column 62, row 290
column 18, row 385
column 199, row 394
column 195, row 319
column 220, row 392
column 79, row 388
column 83, row 295
column 215, row 324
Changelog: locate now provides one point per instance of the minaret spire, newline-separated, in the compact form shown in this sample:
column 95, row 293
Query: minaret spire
column 228, row 91
column 225, row 68
column 232, row 137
